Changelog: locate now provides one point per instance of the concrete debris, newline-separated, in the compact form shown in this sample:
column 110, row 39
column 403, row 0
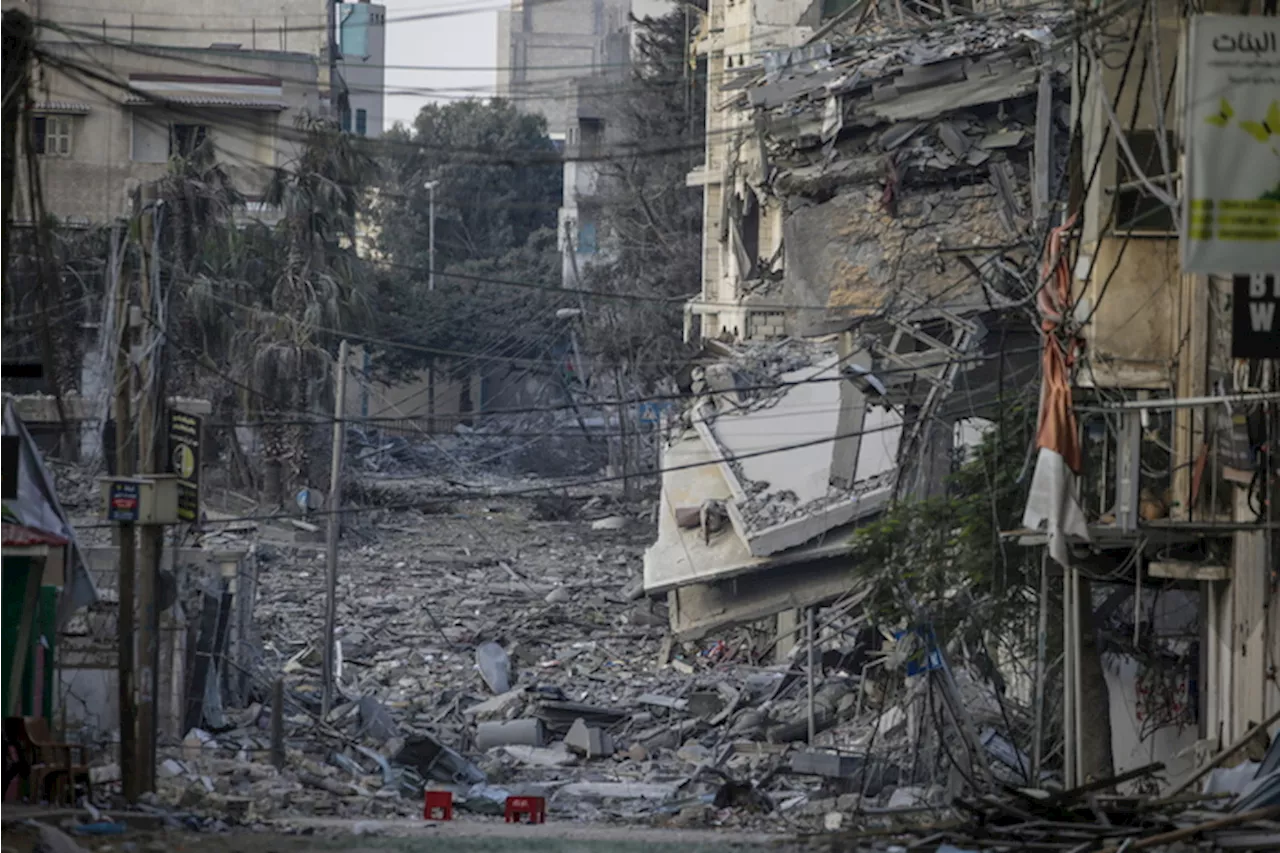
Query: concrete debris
column 496, row 706
column 459, row 673
column 588, row 741
column 54, row 840
column 527, row 732
column 494, row 666
column 613, row 522
column 376, row 721
column 556, row 755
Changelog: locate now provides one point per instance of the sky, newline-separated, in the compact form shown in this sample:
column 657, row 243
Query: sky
column 463, row 37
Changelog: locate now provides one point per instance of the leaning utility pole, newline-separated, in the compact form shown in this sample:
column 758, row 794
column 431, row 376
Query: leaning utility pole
column 17, row 40
column 332, row 506
column 125, row 545
column 152, row 535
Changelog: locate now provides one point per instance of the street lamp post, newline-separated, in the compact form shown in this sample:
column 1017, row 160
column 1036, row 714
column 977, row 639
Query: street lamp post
column 431, row 285
column 431, row 235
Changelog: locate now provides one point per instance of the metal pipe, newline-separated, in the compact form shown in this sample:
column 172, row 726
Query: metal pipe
column 1184, row 402
column 1076, row 675
column 812, row 667
column 1042, row 630
column 1068, row 703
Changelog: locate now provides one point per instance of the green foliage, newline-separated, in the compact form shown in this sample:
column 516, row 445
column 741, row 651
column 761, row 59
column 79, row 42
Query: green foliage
column 498, row 189
column 653, row 220
column 943, row 557
column 499, row 181
column 470, row 316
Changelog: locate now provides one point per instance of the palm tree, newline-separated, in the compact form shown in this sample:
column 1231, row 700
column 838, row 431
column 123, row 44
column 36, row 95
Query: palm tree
column 313, row 291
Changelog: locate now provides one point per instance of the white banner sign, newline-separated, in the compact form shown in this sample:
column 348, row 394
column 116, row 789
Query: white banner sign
column 1231, row 219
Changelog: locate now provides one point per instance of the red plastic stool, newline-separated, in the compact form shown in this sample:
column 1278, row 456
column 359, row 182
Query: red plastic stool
column 438, row 805
column 534, row 807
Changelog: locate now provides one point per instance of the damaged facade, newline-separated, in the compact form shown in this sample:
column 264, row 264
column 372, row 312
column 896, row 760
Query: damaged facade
column 871, row 198
column 1177, row 488
column 878, row 203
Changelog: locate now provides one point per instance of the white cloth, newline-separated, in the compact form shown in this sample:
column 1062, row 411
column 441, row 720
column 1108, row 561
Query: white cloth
column 1052, row 505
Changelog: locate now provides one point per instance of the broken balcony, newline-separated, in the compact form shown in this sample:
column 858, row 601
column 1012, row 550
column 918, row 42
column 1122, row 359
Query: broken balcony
column 773, row 466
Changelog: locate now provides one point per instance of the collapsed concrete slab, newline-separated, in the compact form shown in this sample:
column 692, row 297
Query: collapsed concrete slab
column 796, row 462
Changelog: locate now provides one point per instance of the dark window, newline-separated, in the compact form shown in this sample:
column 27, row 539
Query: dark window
column 185, row 139
column 346, row 119
column 591, row 138
column 52, row 135
column 1136, row 208
column 362, row 122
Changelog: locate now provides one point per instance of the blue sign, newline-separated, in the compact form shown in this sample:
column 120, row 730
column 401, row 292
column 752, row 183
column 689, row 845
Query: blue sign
column 122, row 502
column 926, row 656
column 651, row 412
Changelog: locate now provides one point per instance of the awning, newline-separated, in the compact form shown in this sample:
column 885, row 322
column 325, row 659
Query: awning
column 23, row 541
column 37, row 508
column 61, row 108
column 204, row 101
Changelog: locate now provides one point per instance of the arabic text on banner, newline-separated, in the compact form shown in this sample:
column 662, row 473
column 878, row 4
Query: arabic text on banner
column 1231, row 220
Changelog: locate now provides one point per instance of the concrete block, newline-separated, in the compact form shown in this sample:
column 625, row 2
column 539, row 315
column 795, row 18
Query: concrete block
column 526, row 732
column 829, row 764
column 588, row 740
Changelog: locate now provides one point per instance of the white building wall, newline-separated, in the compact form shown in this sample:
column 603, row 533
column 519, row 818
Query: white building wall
column 363, row 64
column 284, row 25
column 543, row 44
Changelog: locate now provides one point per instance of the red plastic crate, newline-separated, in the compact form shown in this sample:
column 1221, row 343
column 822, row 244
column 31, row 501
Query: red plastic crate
column 437, row 805
column 535, row 808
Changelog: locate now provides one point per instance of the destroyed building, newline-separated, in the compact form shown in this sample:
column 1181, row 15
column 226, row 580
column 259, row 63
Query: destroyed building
column 872, row 198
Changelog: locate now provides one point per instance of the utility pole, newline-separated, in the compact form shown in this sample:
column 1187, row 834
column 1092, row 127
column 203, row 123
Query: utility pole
column 125, row 545
column 333, row 505
column 17, row 40
column 152, row 535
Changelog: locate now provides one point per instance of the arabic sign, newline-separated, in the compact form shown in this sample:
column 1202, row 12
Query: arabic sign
column 1255, row 316
column 184, row 460
column 1231, row 216
column 122, row 502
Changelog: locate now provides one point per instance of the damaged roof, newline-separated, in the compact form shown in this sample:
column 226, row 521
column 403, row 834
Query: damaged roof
column 886, row 64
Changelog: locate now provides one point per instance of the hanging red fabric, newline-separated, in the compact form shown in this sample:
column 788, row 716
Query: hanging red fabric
column 1056, row 430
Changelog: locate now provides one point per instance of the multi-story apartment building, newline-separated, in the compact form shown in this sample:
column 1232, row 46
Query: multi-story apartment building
column 158, row 81
column 97, row 142
column 570, row 61
column 544, row 45
column 361, row 65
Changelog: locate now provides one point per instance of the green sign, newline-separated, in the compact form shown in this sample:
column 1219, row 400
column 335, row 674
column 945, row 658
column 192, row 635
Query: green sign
column 184, row 460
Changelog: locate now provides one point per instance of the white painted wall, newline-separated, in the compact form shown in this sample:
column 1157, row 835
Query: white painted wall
column 1175, row 747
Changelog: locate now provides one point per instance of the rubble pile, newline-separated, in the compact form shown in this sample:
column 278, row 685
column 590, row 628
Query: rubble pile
column 1087, row 818
column 489, row 652
column 554, row 444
